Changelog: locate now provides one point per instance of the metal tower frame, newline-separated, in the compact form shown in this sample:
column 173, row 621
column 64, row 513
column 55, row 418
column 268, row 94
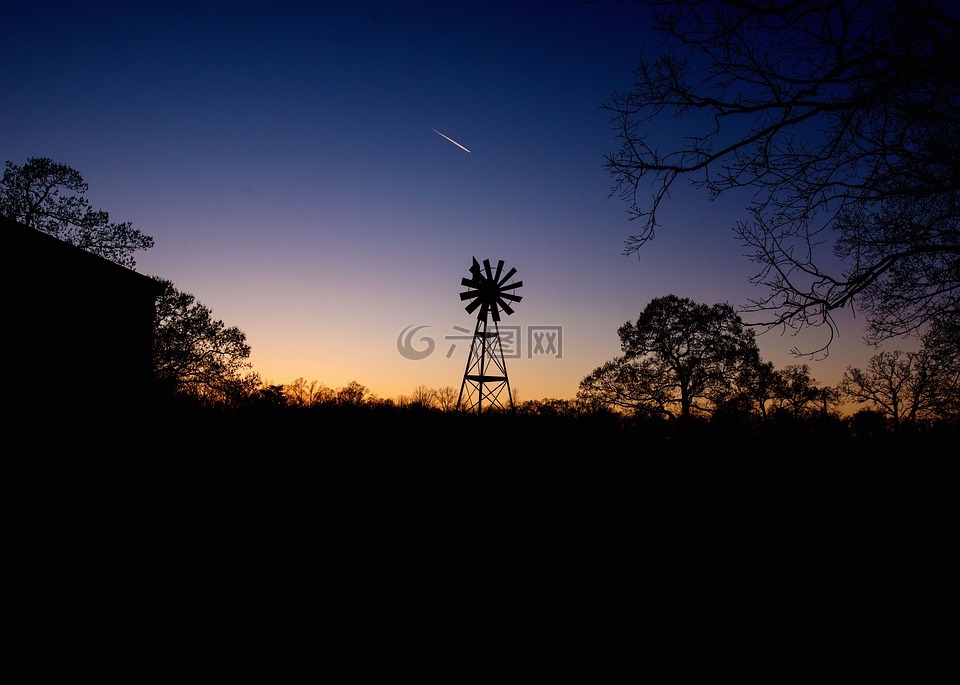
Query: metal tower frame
column 485, row 376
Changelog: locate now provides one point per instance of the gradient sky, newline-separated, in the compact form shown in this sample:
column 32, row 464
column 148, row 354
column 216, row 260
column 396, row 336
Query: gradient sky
column 284, row 158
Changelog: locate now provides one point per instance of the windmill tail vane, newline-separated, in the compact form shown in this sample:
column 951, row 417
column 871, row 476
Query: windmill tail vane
column 485, row 377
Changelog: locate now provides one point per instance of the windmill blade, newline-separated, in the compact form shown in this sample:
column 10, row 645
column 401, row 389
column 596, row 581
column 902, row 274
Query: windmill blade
column 512, row 286
column 510, row 296
column 469, row 282
column 496, row 276
column 506, row 278
column 467, row 295
column 483, row 311
column 486, row 265
column 495, row 312
column 505, row 306
column 472, row 307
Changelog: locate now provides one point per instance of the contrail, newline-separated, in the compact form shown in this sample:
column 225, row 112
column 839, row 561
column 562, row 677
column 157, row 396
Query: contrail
column 450, row 139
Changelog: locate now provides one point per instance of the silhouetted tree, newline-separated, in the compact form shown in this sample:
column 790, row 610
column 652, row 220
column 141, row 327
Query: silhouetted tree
column 195, row 354
column 760, row 384
column 352, row 394
column 840, row 119
column 898, row 384
column 942, row 343
column 798, row 393
column 303, row 393
column 271, row 396
column 423, row 396
column 235, row 392
column 551, row 407
column 48, row 197
column 630, row 385
column 869, row 424
column 446, row 398
column 828, row 400
column 680, row 358
column 296, row 393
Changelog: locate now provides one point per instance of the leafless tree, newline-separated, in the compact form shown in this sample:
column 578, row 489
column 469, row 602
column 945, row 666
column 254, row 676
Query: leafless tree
column 839, row 120
column 942, row 343
column 303, row 393
column 446, row 398
column 423, row 396
column 898, row 384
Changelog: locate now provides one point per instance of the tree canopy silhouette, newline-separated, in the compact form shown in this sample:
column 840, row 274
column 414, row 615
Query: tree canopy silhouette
column 49, row 197
column 840, row 120
column 680, row 358
column 197, row 355
column 909, row 387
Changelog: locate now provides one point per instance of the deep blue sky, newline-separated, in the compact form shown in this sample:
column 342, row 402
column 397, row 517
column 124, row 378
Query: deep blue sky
column 283, row 157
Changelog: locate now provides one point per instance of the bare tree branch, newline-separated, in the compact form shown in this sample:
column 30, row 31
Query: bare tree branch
column 842, row 122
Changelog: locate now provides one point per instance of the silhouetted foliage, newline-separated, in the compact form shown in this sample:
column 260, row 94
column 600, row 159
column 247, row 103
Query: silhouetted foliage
column 48, row 196
column 911, row 387
column 797, row 392
column 302, row 393
column 272, row 396
column 352, row 394
column 423, row 396
column 941, row 343
column 269, row 419
column 197, row 355
column 869, row 424
column 446, row 398
column 680, row 358
column 841, row 122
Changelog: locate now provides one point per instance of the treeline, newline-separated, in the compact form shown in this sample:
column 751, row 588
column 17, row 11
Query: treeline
column 278, row 416
column 689, row 373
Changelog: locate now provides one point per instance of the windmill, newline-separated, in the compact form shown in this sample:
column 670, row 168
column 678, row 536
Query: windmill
column 485, row 377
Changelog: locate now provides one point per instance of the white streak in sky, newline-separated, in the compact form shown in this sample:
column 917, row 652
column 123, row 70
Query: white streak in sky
column 450, row 139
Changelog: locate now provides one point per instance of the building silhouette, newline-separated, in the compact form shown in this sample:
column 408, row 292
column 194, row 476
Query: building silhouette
column 79, row 329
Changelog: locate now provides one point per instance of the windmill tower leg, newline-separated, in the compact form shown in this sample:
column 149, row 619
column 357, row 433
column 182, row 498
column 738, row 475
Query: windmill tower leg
column 485, row 376
column 502, row 364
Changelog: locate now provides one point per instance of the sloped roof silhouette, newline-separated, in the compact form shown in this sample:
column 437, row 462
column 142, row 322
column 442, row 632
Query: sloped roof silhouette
column 23, row 244
column 79, row 328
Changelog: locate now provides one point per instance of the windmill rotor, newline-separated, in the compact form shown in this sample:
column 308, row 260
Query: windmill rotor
column 489, row 291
